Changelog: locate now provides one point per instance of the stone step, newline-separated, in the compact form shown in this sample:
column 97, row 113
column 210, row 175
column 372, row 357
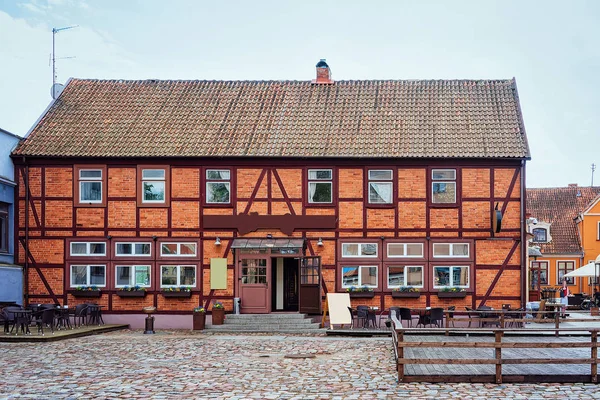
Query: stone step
column 266, row 316
column 264, row 328
column 268, row 321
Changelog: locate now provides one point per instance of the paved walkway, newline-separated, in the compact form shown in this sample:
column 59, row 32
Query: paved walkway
column 180, row 364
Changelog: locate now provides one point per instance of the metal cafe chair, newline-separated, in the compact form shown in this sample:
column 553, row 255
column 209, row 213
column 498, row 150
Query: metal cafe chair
column 406, row 315
column 362, row 314
column 436, row 317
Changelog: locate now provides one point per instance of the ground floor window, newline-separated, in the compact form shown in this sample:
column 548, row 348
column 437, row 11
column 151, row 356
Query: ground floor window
column 451, row 276
column 541, row 276
column 88, row 275
column 359, row 275
column 254, row 270
column 177, row 275
column 132, row 275
column 565, row 267
column 405, row 275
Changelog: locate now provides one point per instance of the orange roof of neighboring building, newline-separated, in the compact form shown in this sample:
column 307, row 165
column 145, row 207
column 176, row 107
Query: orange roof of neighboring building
column 559, row 207
column 370, row 118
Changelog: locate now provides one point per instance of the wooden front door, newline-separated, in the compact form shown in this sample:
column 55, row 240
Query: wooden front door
column 255, row 280
column 310, row 285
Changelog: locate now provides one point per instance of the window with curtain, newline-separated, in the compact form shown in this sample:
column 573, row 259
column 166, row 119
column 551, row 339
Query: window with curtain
column 380, row 186
column 443, row 186
column 218, row 186
column 90, row 186
column 320, row 186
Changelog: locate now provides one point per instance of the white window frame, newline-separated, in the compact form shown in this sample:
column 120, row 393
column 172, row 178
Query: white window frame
column 389, row 182
column 405, row 283
column 360, row 244
column 88, row 275
column 132, row 277
column 226, row 182
column 178, row 275
column 319, row 180
column 360, row 284
column 404, row 245
column 87, row 249
column 468, row 267
column 451, row 255
column 133, row 254
column 163, row 180
column 179, row 249
column 533, row 240
column 445, row 181
column 83, row 180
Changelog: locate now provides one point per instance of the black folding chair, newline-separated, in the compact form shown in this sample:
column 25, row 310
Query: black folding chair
column 406, row 315
column 362, row 314
column 436, row 317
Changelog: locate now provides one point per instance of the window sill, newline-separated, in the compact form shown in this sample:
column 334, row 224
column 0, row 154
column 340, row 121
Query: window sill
column 443, row 205
column 390, row 205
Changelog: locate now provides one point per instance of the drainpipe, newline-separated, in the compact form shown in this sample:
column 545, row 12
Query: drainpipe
column 524, row 249
column 26, row 247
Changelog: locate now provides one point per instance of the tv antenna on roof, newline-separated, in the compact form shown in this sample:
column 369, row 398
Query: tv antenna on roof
column 57, row 87
column 593, row 169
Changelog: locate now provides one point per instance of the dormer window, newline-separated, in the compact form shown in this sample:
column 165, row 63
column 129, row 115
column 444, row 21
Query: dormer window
column 540, row 235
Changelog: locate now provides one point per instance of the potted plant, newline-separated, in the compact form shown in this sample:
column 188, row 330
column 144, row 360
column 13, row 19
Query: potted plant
column 452, row 292
column 131, row 291
column 218, row 313
column 87, row 291
column 362, row 291
column 177, row 292
column 406, row 292
column 199, row 316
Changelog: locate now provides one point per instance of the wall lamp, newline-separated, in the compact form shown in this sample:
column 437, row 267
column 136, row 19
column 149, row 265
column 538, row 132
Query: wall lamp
column 217, row 241
column 320, row 242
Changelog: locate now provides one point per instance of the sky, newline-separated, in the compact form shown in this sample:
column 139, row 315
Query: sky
column 552, row 48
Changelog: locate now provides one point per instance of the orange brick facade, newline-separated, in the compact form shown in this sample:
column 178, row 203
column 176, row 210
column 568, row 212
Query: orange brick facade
column 55, row 218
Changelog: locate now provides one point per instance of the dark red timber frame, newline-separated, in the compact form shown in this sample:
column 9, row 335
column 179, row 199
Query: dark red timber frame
column 270, row 173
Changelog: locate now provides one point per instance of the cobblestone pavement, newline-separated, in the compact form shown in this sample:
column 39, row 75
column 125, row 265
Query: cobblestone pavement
column 178, row 364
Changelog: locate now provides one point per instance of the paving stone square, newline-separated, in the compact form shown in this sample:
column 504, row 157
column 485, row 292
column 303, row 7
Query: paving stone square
column 181, row 364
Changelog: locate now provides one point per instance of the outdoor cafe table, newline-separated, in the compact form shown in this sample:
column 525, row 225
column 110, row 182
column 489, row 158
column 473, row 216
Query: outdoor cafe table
column 21, row 321
column 371, row 314
column 424, row 314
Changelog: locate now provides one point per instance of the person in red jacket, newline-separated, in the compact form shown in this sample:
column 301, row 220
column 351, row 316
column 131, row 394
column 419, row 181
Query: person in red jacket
column 564, row 297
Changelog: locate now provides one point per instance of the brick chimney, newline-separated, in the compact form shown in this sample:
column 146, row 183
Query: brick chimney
column 323, row 73
column 572, row 185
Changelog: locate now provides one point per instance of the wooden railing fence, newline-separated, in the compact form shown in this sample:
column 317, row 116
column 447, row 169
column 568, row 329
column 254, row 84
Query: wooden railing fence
column 400, row 344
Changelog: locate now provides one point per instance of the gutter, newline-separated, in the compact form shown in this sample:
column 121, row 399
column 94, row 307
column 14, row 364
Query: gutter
column 524, row 249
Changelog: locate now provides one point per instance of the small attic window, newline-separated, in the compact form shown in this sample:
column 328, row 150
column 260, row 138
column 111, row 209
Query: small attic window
column 540, row 235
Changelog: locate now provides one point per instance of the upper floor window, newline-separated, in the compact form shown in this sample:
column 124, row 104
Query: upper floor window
column 153, row 185
column 540, row 235
column 359, row 276
column 90, row 186
column 178, row 249
column 397, row 250
column 380, row 186
column 443, row 186
column 133, row 248
column 218, row 186
column 94, row 249
column 351, row 250
column 453, row 276
column 320, row 186
column 446, row 250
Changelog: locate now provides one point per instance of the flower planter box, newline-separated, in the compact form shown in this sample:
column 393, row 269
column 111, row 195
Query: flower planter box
column 218, row 316
column 199, row 321
column 451, row 295
column 410, row 295
column 177, row 294
column 86, row 293
column 131, row 293
column 364, row 295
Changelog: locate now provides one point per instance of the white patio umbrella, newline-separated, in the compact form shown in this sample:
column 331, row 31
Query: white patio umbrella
column 589, row 269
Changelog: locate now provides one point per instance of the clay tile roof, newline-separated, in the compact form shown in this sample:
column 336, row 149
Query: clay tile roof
column 383, row 118
column 559, row 207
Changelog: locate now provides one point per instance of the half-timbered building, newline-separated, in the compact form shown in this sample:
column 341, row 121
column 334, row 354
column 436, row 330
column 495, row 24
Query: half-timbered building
column 304, row 187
